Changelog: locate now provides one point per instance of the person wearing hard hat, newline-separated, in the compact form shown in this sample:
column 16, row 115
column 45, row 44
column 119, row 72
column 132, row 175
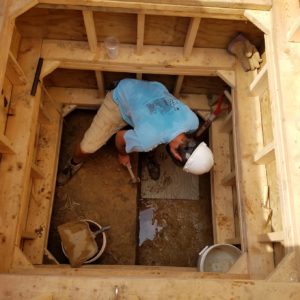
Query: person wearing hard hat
column 156, row 117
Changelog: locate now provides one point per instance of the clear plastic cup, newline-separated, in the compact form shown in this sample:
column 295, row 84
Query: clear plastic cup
column 111, row 44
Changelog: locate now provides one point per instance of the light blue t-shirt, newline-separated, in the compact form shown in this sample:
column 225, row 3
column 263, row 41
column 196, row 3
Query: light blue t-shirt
column 156, row 116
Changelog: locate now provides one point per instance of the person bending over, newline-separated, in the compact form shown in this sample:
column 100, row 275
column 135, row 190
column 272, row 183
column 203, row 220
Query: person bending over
column 156, row 117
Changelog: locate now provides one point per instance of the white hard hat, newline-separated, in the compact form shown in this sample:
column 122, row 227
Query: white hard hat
column 201, row 160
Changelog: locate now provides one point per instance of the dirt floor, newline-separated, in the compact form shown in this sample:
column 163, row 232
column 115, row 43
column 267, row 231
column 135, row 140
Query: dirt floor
column 142, row 231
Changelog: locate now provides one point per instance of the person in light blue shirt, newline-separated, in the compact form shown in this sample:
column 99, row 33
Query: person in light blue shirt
column 156, row 117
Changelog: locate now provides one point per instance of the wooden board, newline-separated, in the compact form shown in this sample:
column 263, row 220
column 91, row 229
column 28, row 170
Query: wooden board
column 42, row 193
column 173, row 182
column 78, row 287
column 159, row 30
column 15, row 169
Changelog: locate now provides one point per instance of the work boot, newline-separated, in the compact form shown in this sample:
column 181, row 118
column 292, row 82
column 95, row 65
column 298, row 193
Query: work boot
column 67, row 172
column 153, row 166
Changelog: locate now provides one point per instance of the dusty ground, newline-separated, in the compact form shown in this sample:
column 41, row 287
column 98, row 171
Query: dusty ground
column 99, row 191
column 102, row 191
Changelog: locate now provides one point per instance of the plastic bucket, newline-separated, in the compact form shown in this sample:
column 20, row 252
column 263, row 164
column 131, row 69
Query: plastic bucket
column 100, row 240
column 218, row 258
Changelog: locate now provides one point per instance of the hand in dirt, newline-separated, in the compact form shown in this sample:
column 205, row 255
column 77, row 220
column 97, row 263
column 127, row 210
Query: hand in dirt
column 124, row 160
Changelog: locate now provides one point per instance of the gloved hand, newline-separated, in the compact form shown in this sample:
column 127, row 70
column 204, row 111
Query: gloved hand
column 246, row 53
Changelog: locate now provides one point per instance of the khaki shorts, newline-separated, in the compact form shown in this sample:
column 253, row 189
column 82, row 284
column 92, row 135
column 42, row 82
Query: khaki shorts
column 107, row 122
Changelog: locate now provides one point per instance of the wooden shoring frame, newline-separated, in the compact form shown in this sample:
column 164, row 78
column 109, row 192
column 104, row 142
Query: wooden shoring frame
column 280, row 79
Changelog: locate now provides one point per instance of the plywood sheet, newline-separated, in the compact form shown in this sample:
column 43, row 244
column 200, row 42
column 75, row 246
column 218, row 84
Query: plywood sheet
column 173, row 182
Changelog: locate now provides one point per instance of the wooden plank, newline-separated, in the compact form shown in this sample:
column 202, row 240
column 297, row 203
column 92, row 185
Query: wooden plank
column 168, row 4
column 260, row 82
column 240, row 266
column 43, row 115
column 265, row 155
column 251, row 178
column 20, row 261
column 158, row 59
column 40, row 208
column 123, row 271
column 74, row 287
column 178, row 85
column 191, row 36
column 227, row 76
column 20, row 129
column 48, row 67
column 6, row 146
column 6, row 31
column 293, row 34
column 14, row 72
column 222, row 201
column 26, row 235
column 67, row 109
column 15, row 43
column 36, row 173
column 261, row 19
column 228, row 96
column 286, row 271
column 227, row 124
column 229, row 180
column 21, row 6
column 88, row 98
column 140, row 34
column 100, row 84
column 233, row 241
column 271, row 237
column 90, row 29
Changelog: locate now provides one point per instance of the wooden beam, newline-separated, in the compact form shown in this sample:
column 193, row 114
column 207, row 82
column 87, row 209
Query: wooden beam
column 43, row 115
column 48, row 67
column 100, row 84
column 163, row 5
column 260, row 82
column 36, row 172
column 229, row 180
column 26, row 235
column 89, row 98
column 293, row 34
column 265, row 155
column 251, row 178
column 178, row 85
column 40, row 209
column 271, row 237
column 90, row 30
column 286, row 270
column 158, row 59
column 228, row 96
column 77, row 287
column 14, row 72
column 6, row 31
column 19, row 7
column 191, row 36
column 21, row 128
column 140, row 33
column 20, row 261
column 227, row 124
column 261, row 19
column 6, row 146
column 227, row 76
column 222, row 199
column 67, row 109
column 240, row 266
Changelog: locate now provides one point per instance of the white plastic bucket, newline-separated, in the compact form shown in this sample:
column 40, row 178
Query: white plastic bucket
column 218, row 258
column 100, row 249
